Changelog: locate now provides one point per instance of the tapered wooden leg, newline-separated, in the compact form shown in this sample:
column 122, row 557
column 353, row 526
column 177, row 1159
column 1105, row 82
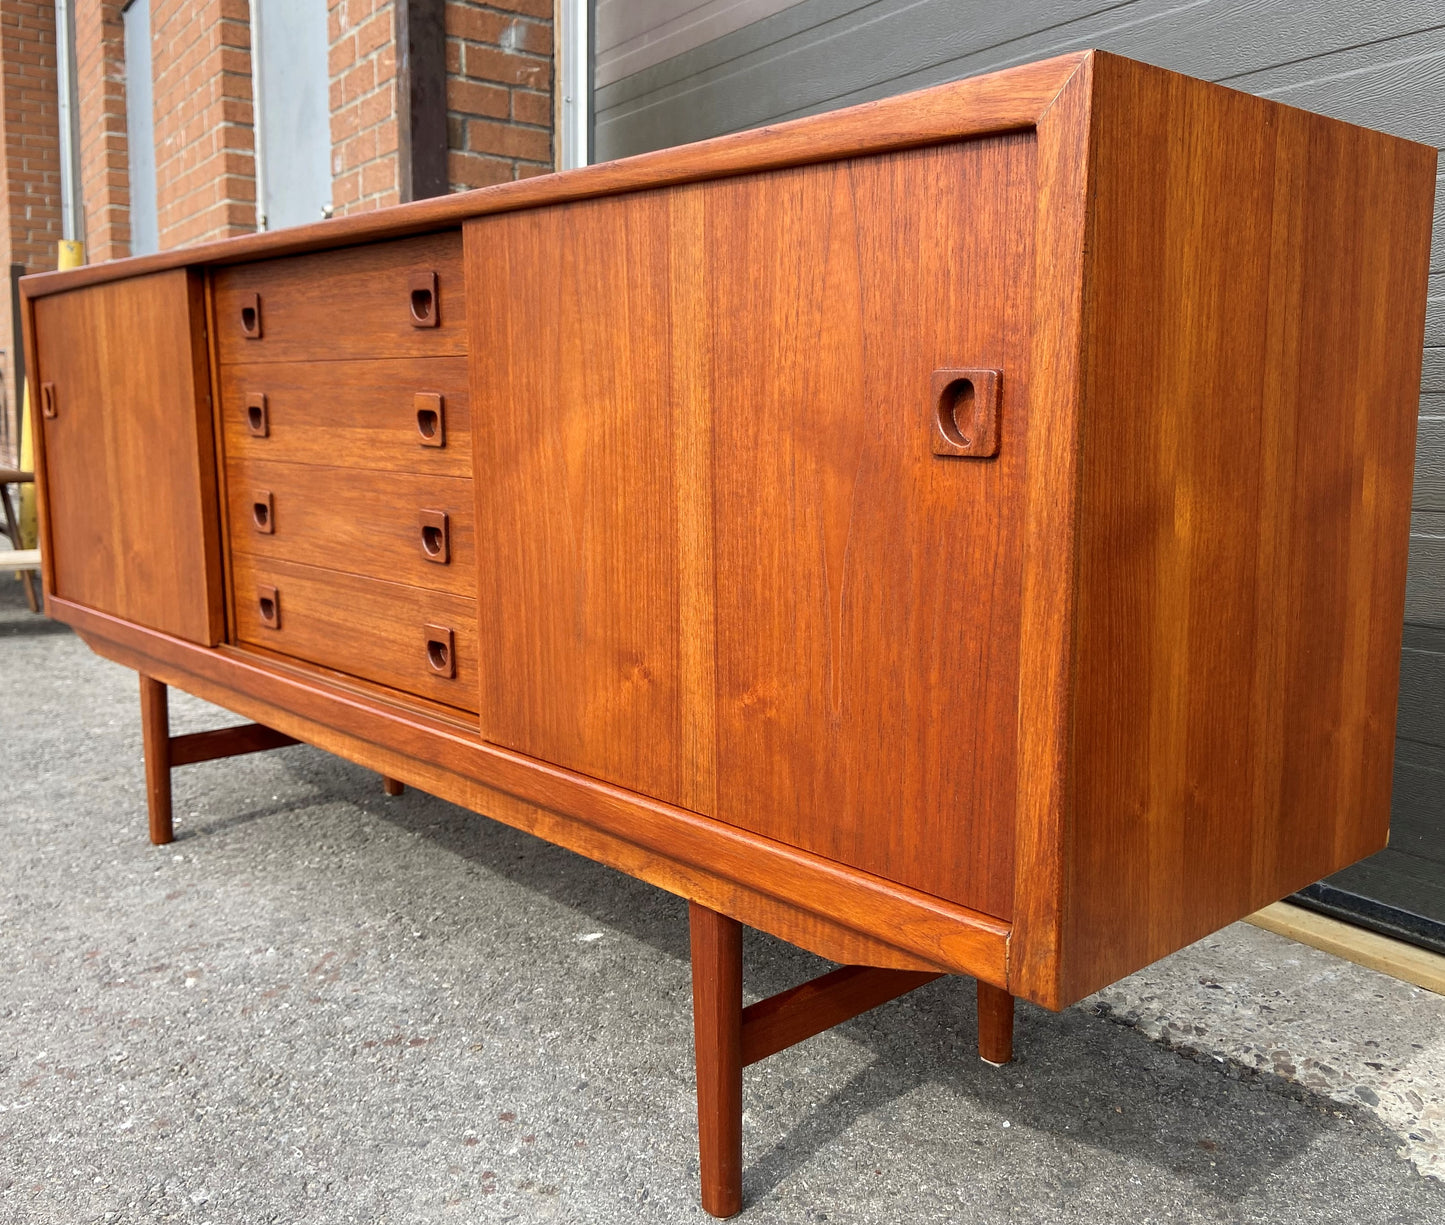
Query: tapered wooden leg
column 392, row 786
column 995, row 1024
column 156, row 735
column 717, row 1016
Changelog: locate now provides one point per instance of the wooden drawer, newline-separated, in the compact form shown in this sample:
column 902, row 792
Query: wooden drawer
column 374, row 524
column 383, row 632
column 393, row 299
column 402, row 415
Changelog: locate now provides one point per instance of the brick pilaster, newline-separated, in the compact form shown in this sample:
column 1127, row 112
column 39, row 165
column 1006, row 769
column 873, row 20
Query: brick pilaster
column 100, row 89
column 499, row 91
column 362, row 65
column 205, row 151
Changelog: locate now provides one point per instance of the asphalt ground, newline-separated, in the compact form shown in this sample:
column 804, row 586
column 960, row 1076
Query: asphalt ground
column 324, row 1005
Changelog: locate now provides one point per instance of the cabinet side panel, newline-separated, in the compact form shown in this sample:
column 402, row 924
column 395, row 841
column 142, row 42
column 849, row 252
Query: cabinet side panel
column 1257, row 289
column 130, row 466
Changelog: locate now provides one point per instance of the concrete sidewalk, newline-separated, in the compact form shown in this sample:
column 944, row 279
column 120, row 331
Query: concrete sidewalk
column 323, row 1005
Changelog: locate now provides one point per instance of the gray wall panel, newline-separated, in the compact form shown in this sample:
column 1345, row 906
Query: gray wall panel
column 1435, row 310
column 1425, row 587
column 1437, row 237
column 1422, row 715
column 1430, row 464
column 1417, row 826
column 1432, row 375
column 820, row 54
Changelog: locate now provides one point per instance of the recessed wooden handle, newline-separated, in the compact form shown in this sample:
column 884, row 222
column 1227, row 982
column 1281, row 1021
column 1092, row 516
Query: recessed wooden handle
column 268, row 605
column 251, row 316
column 435, row 536
column 47, row 401
column 263, row 516
column 431, row 422
column 258, row 419
column 441, row 656
column 965, row 408
column 422, row 300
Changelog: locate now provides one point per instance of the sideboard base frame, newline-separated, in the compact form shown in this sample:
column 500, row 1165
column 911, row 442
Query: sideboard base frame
column 728, row 1037
column 164, row 752
column 802, row 898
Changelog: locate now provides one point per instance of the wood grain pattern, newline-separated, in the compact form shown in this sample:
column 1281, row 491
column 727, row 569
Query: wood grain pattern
column 740, row 570
column 347, row 414
column 717, row 1013
column 354, row 521
column 354, row 303
column 129, row 468
column 155, row 722
column 1046, row 605
column 362, row 626
column 995, row 1024
column 1010, row 100
column 836, row 912
column 225, row 742
column 1247, row 440
column 783, row 1020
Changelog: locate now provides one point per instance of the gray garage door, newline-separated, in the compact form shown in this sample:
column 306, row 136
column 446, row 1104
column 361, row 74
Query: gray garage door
column 672, row 71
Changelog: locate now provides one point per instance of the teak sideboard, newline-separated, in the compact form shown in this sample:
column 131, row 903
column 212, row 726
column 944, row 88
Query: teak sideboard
column 965, row 533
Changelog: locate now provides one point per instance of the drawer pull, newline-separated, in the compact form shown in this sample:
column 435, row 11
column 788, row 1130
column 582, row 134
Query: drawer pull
column 440, row 651
column 251, row 316
column 965, row 412
column 431, row 423
column 424, row 313
column 268, row 603
column 435, row 536
column 47, row 403
column 258, row 420
column 263, row 517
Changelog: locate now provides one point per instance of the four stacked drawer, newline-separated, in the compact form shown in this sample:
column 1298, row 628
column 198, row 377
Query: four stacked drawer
column 347, row 450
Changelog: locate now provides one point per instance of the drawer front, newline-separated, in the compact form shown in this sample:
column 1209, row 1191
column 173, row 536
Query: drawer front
column 402, row 415
column 395, row 526
column 392, row 299
column 419, row 642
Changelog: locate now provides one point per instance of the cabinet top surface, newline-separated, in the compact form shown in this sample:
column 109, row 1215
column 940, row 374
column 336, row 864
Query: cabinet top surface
column 1012, row 99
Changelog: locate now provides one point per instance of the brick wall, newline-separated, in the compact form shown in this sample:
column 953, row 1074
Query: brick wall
column 362, row 65
column 205, row 163
column 29, row 167
column 499, row 96
column 499, row 103
column 100, row 106
column 499, row 91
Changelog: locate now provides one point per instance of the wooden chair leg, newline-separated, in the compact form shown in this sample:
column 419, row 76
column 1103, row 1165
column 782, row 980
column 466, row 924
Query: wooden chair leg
column 717, row 1015
column 995, row 1024
column 392, row 786
column 156, row 734
column 12, row 529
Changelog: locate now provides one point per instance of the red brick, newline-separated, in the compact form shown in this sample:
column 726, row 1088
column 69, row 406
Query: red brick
column 475, row 25
column 378, row 176
column 528, row 107
column 489, row 64
column 467, row 170
column 376, row 33
column 529, row 8
column 509, row 140
column 477, row 98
